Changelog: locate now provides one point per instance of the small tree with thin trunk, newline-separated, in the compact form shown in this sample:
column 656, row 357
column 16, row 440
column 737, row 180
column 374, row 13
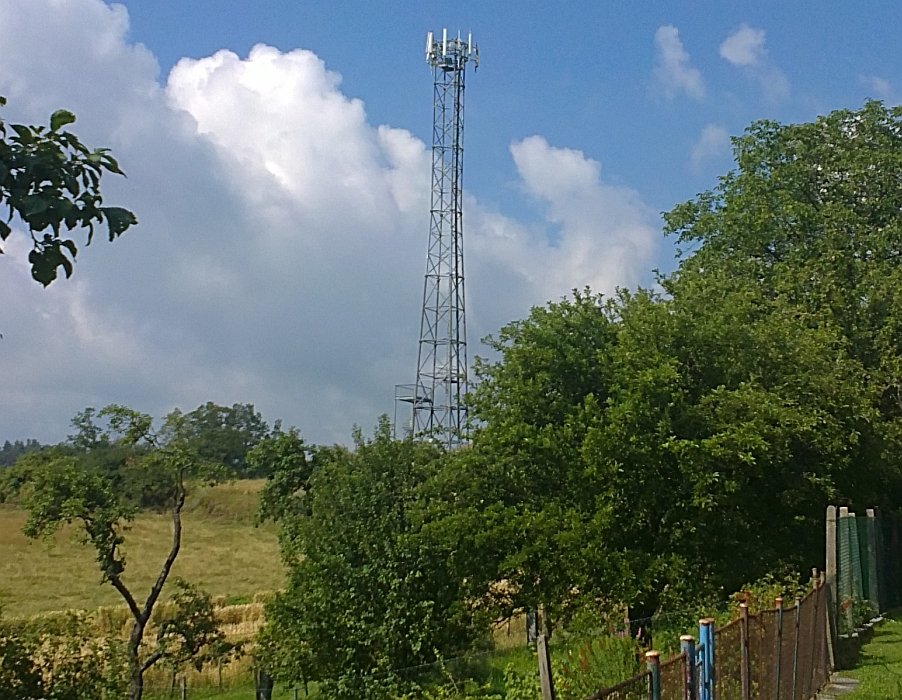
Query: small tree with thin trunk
column 64, row 490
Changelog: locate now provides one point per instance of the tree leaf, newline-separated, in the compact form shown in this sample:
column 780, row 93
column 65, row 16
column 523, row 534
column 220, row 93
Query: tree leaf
column 25, row 133
column 118, row 219
column 60, row 118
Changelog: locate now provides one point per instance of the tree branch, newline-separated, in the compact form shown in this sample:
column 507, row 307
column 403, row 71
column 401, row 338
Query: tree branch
column 173, row 550
column 151, row 660
column 127, row 595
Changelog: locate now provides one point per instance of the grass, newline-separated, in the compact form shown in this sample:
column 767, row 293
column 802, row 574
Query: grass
column 879, row 670
column 222, row 552
column 243, row 692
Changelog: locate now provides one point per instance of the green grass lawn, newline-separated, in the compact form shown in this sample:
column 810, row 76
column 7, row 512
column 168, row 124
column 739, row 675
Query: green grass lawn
column 879, row 669
column 222, row 552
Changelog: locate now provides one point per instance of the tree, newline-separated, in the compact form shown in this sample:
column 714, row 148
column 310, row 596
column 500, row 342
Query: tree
column 370, row 592
column 224, row 435
column 63, row 490
column 654, row 448
column 11, row 451
column 51, row 181
column 810, row 223
column 191, row 635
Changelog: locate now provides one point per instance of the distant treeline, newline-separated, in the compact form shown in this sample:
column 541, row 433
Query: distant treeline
column 218, row 435
column 11, row 451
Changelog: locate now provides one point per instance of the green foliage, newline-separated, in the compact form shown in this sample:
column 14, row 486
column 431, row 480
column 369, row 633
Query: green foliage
column 285, row 498
column 589, row 664
column 224, row 435
column 59, row 659
column 658, row 450
column 370, row 591
column 51, row 181
column 11, row 451
column 762, row 594
column 62, row 492
column 191, row 635
column 62, row 487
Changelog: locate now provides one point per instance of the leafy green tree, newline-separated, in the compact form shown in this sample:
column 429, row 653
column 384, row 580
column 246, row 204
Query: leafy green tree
column 370, row 592
column 63, row 490
column 809, row 228
column 11, row 451
column 289, row 462
column 225, row 434
column 51, row 181
column 536, row 503
column 191, row 635
column 650, row 449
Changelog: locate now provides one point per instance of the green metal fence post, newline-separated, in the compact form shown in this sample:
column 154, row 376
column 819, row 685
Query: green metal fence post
column 653, row 663
column 690, row 680
column 857, row 569
column 846, row 566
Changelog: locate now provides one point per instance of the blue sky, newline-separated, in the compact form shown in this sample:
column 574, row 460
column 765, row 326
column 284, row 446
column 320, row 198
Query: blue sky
column 580, row 73
column 283, row 192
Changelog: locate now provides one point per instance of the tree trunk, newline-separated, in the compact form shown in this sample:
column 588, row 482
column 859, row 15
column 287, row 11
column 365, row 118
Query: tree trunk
column 135, row 681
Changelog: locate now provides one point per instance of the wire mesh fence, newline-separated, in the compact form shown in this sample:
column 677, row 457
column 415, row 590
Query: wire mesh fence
column 635, row 688
column 865, row 574
column 775, row 654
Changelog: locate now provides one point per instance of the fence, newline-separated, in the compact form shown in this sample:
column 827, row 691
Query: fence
column 864, row 553
column 777, row 654
column 786, row 653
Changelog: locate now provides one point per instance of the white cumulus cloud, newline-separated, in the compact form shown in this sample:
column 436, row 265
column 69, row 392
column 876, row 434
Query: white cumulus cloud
column 674, row 72
column 281, row 248
column 881, row 89
column 713, row 142
column 745, row 49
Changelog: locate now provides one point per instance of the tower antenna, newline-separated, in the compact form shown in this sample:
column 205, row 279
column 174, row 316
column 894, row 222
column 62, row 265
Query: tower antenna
column 437, row 397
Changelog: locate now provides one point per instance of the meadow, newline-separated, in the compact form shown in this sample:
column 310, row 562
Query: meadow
column 223, row 552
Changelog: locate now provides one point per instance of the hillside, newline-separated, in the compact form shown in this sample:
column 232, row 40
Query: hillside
column 222, row 551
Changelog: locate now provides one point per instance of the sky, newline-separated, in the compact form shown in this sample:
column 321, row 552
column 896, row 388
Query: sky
column 277, row 156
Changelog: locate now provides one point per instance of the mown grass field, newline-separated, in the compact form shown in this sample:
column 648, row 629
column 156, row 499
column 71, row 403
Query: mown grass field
column 222, row 552
column 879, row 669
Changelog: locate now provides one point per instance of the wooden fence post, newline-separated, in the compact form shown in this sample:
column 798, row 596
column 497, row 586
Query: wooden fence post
column 545, row 677
column 745, row 666
column 795, row 647
column 778, row 645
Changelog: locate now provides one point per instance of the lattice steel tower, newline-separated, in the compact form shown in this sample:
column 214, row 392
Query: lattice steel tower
column 437, row 397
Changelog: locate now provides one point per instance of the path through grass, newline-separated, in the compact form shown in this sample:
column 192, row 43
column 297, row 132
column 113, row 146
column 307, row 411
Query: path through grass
column 879, row 669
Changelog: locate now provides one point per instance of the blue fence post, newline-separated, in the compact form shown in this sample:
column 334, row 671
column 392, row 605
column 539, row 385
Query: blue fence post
column 690, row 681
column 653, row 663
column 706, row 637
